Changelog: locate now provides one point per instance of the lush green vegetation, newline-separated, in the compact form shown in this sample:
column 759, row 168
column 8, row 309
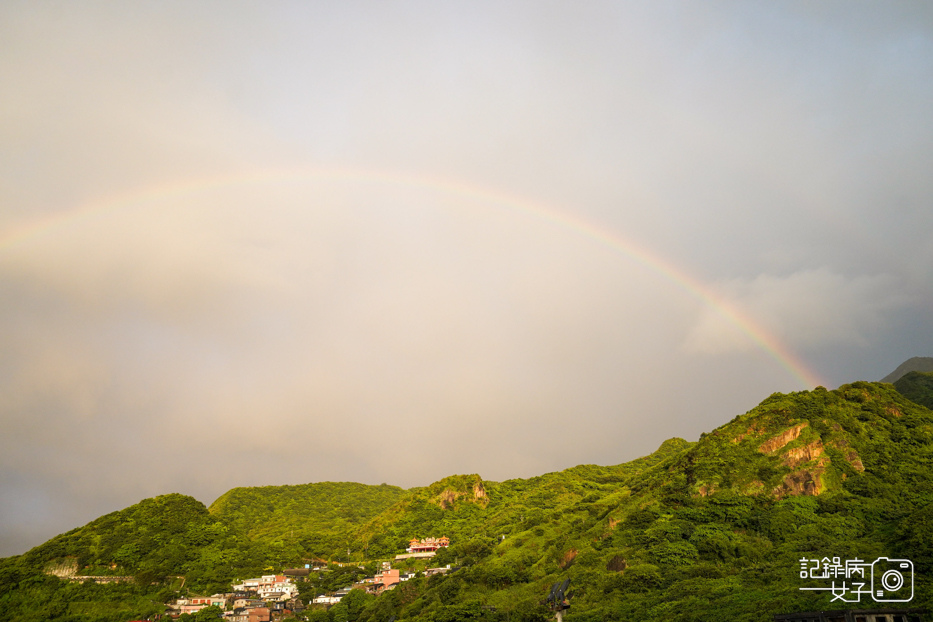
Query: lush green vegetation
column 695, row 531
column 917, row 386
column 309, row 520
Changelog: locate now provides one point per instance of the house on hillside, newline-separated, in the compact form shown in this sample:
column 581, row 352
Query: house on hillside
column 260, row 614
column 219, row 600
column 188, row 608
column 385, row 580
column 333, row 599
column 248, row 585
column 430, row 572
column 298, row 574
column 283, row 610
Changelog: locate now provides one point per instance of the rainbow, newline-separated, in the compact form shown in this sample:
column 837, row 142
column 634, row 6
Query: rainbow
column 138, row 197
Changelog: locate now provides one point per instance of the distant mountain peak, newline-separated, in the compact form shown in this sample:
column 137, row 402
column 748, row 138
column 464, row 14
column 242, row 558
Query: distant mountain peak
column 917, row 363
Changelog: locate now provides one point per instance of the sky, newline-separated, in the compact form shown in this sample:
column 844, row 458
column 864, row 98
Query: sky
column 263, row 243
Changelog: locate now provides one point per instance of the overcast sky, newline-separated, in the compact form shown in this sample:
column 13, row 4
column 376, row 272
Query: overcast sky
column 286, row 242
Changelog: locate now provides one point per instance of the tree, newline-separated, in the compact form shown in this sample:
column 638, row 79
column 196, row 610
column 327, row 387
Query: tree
column 340, row 612
column 208, row 614
column 355, row 602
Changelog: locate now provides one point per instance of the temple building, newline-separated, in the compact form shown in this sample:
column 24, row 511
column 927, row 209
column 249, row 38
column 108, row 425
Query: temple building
column 427, row 545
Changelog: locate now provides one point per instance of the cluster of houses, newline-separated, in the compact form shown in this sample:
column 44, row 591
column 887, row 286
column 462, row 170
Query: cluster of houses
column 271, row 597
column 273, row 587
column 388, row 579
column 254, row 600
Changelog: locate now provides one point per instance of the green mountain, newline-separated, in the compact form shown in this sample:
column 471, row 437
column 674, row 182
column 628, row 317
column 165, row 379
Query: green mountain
column 917, row 363
column 917, row 386
column 714, row 529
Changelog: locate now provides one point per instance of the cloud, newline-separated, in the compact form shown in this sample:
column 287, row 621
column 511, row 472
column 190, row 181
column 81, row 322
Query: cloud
column 805, row 310
column 227, row 332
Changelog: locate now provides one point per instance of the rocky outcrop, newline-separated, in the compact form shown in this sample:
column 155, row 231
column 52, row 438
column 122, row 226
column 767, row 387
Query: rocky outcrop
column 798, row 455
column 566, row 561
column 856, row 462
column 755, row 429
column 472, row 491
column 446, row 498
column 802, row 482
column 65, row 568
column 850, row 454
column 808, row 462
column 777, row 442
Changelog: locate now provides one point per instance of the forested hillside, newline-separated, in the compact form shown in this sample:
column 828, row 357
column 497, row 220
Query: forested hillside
column 709, row 530
column 917, row 387
column 304, row 520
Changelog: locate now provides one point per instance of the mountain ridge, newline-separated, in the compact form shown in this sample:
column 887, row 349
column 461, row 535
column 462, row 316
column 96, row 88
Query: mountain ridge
column 916, row 363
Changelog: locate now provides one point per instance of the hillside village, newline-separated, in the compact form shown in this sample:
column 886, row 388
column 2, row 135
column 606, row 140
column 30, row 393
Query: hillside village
column 277, row 596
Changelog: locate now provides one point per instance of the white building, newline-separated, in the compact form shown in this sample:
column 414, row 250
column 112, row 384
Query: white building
column 270, row 587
